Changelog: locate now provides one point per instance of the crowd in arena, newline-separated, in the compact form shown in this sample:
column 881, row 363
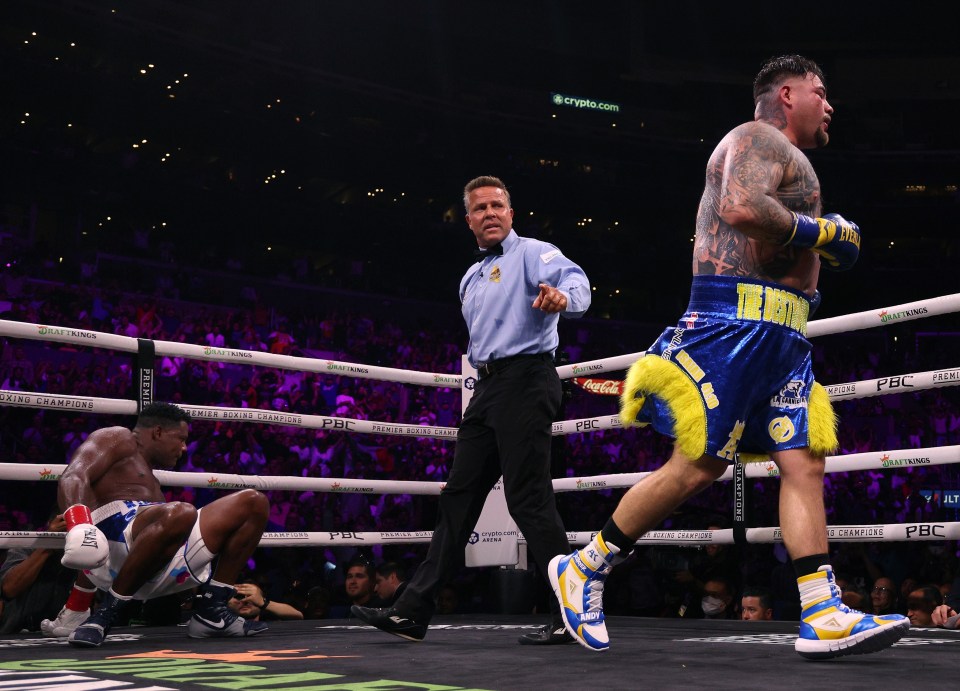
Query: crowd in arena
column 659, row 581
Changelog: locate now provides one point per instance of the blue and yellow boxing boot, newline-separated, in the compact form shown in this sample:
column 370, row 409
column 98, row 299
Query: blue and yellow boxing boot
column 577, row 581
column 828, row 628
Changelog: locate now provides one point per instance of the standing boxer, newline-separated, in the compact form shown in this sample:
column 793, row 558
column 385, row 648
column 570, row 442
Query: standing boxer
column 735, row 374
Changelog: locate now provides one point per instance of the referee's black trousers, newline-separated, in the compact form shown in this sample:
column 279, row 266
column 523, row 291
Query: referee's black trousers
column 506, row 430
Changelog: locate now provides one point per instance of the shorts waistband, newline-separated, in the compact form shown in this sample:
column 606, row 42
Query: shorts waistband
column 749, row 300
column 487, row 369
column 107, row 510
column 114, row 507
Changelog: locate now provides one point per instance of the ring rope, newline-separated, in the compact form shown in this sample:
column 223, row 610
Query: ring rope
column 89, row 404
column 917, row 381
column 884, row 532
column 853, row 390
column 900, row 383
column 609, row 364
column 880, row 532
column 62, row 334
column 931, row 307
column 26, row 539
column 852, row 322
column 871, row 460
column 171, row 478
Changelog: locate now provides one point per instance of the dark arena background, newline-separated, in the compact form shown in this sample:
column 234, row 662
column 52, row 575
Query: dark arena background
column 244, row 186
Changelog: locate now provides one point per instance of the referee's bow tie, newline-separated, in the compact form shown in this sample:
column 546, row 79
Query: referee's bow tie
column 482, row 253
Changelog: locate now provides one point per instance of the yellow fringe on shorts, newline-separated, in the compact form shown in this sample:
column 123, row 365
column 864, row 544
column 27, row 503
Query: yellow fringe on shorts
column 652, row 374
column 822, row 422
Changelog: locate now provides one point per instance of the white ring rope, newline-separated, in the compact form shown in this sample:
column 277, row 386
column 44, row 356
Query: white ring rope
column 609, row 364
column 909, row 311
column 917, row 381
column 920, row 309
column 25, row 539
column 885, row 532
column 849, row 462
column 88, row 404
column 871, row 460
column 899, row 383
column 61, row 334
column 204, row 480
column 52, row 401
column 882, row 532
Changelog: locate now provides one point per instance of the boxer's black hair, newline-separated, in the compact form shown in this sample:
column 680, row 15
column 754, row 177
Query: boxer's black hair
column 163, row 414
column 775, row 70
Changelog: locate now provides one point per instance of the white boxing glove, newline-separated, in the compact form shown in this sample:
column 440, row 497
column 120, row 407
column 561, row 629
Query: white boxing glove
column 85, row 547
column 64, row 624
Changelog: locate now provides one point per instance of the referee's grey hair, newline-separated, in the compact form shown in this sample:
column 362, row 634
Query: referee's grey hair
column 484, row 181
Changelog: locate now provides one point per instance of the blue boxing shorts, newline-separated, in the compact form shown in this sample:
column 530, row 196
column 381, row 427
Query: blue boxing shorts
column 734, row 376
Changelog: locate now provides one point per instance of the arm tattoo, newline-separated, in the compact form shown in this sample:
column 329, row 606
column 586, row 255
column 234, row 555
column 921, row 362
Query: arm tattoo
column 755, row 170
column 753, row 180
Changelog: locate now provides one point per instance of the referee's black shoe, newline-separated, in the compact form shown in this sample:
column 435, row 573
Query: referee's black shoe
column 554, row 634
column 390, row 620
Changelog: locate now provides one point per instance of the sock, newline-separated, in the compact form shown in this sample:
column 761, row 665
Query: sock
column 121, row 598
column 80, row 599
column 604, row 550
column 816, row 587
column 804, row 566
column 612, row 535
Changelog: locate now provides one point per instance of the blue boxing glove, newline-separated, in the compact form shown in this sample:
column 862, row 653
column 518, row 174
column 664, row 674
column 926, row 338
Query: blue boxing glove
column 833, row 237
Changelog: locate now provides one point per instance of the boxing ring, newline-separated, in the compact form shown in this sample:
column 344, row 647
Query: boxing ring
column 351, row 642
column 146, row 353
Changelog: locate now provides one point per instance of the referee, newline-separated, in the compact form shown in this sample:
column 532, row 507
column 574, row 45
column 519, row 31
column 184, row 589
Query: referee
column 512, row 298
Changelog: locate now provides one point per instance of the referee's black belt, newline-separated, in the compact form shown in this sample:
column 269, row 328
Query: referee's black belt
column 488, row 369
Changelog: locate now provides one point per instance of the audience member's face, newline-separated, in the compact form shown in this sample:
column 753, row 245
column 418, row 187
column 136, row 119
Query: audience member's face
column 386, row 587
column 717, row 589
column 317, row 605
column 716, row 598
column 882, row 595
column 752, row 610
column 358, row 585
column 245, row 607
column 919, row 609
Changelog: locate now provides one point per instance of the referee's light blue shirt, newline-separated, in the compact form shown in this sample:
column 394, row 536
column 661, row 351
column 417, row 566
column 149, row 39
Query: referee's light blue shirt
column 496, row 295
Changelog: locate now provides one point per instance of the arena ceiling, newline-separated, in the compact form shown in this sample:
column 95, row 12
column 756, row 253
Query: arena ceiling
column 257, row 113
